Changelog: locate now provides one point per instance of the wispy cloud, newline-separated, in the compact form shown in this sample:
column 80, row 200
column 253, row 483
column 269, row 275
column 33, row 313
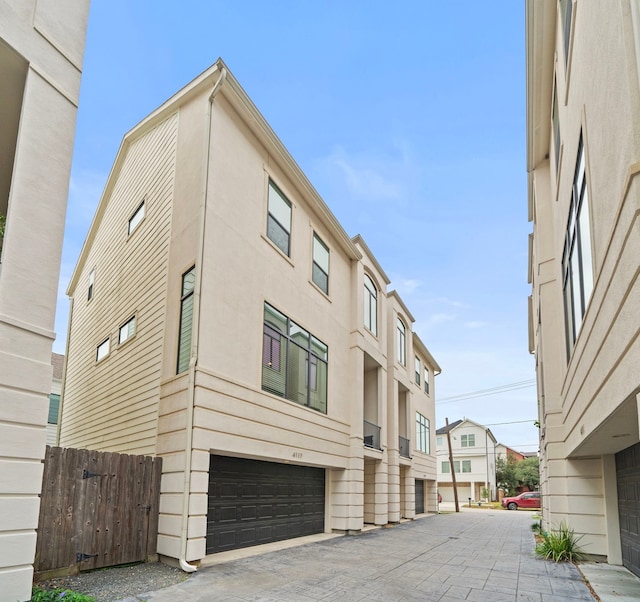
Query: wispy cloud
column 475, row 324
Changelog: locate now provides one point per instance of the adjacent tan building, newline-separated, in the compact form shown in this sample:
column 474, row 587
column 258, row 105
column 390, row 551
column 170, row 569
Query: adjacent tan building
column 223, row 319
column 41, row 52
column 583, row 159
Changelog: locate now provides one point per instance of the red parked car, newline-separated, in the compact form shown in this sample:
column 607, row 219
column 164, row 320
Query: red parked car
column 529, row 499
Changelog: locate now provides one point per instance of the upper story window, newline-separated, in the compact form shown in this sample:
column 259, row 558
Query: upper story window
column 102, row 350
column 127, row 330
column 92, row 277
column 577, row 263
column 439, row 441
column 422, row 433
column 426, row 380
column 417, row 366
column 556, row 128
column 294, row 362
column 468, row 440
column 186, row 319
column 566, row 10
column 136, row 218
column 320, row 267
column 370, row 305
column 401, row 341
column 279, row 220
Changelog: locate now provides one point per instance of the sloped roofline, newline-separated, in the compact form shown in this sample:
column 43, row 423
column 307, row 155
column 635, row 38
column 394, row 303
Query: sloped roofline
column 394, row 293
column 358, row 240
column 245, row 107
column 417, row 341
column 442, row 430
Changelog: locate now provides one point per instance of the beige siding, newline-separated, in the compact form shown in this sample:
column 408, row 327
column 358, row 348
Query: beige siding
column 100, row 411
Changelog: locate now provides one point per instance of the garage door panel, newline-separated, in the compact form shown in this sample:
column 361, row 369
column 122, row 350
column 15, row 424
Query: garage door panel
column 253, row 502
column 628, row 481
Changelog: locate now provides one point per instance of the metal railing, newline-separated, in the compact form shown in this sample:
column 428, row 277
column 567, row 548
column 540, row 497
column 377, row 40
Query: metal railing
column 404, row 446
column 371, row 435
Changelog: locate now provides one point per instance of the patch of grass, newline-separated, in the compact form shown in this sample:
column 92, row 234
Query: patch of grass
column 58, row 595
column 560, row 545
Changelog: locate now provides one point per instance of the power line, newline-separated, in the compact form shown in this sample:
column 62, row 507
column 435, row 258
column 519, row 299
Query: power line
column 493, row 391
column 513, row 422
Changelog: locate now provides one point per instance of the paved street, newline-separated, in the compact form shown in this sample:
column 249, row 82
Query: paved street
column 475, row 555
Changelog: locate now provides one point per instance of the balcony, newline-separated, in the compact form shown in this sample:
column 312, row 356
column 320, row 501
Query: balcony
column 404, row 446
column 371, row 435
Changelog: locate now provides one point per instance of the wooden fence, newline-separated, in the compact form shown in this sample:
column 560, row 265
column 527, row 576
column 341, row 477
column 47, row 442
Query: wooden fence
column 97, row 509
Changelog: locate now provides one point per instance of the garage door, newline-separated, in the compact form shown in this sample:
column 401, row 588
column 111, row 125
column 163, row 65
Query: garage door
column 419, row 496
column 628, row 477
column 253, row 502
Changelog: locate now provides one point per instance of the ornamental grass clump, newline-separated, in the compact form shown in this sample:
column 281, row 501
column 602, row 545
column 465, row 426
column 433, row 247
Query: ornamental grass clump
column 58, row 595
column 560, row 545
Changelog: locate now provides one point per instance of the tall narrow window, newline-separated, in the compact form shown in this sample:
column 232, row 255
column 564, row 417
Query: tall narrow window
column 566, row 8
column 103, row 350
column 320, row 267
column 186, row 320
column 279, row 219
column 136, row 218
column 577, row 263
column 422, row 433
column 401, row 342
column 294, row 362
column 556, row 128
column 92, row 277
column 417, row 366
column 370, row 305
column 127, row 330
column 426, row 380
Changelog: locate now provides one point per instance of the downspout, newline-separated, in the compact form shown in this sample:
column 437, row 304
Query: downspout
column 184, row 565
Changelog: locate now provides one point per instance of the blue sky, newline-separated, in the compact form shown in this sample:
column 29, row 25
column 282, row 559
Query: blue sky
column 408, row 118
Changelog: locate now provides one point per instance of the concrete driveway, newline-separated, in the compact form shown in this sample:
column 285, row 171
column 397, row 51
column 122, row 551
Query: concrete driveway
column 473, row 555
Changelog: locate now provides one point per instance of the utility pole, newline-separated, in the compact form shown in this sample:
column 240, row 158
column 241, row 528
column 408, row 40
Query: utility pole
column 453, row 470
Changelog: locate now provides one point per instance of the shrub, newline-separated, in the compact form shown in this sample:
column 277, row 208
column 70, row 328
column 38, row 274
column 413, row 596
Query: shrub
column 58, row 595
column 560, row 545
column 536, row 526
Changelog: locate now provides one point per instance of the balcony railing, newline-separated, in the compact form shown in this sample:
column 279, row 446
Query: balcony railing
column 371, row 435
column 403, row 445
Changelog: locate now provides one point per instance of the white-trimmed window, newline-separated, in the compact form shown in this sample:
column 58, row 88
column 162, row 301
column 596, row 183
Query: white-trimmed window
column 426, row 380
column 401, row 342
column 102, row 350
column 279, row 219
column 92, row 277
column 466, row 465
column 577, row 262
column 468, row 440
column 417, row 366
column 127, row 330
column 439, row 441
column 320, row 264
column 566, row 9
column 370, row 305
column 136, row 218
column 186, row 320
column 555, row 120
column 422, row 433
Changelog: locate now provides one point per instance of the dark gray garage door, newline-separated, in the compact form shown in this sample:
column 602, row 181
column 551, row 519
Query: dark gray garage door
column 253, row 502
column 419, row 496
column 628, row 476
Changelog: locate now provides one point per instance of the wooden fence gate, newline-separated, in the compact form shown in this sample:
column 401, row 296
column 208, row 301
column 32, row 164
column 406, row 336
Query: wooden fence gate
column 97, row 509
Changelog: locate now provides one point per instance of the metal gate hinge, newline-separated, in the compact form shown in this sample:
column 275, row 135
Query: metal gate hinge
column 80, row 556
column 86, row 474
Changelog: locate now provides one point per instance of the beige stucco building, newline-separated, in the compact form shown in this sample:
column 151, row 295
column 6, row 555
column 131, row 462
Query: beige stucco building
column 223, row 319
column 583, row 159
column 41, row 52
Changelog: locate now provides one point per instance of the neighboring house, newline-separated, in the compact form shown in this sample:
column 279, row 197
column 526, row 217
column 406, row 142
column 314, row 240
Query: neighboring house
column 583, row 161
column 223, row 320
column 57, row 362
column 474, row 461
column 41, row 51
column 504, row 452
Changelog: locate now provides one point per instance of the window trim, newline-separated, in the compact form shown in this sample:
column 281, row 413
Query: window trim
column 418, row 370
column 131, row 321
column 468, row 440
column 427, row 376
column 315, row 264
column 105, row 343
column 184, row 298
column 401, row 342
column 136, row 219
column 92, row 278
column 372, row 308
column 423, row 434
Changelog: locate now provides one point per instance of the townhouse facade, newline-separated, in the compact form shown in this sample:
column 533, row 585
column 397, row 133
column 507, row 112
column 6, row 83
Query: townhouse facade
column 473, row 447
column 221, row 318
column 40, row 68
column 583, row 159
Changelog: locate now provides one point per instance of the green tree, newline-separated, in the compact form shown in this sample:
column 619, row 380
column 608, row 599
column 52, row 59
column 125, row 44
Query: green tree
column 528, row 472
column 506, row 476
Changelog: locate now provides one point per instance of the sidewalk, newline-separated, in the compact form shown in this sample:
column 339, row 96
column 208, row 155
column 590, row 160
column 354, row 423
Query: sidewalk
column 482, row 555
